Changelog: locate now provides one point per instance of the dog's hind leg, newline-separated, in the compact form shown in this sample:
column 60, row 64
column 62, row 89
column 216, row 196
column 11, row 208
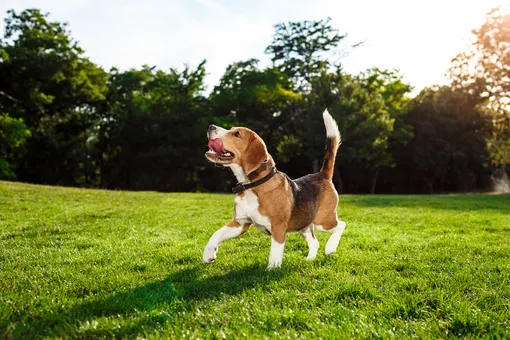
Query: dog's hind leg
column 336, row 232
column 326, row 218
column 231, row 230
column 313, row 245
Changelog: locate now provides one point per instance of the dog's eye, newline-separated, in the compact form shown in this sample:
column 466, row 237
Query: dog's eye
column 236, row 134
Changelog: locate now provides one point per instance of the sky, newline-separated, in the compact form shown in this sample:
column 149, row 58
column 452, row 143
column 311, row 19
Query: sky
column 417, row 37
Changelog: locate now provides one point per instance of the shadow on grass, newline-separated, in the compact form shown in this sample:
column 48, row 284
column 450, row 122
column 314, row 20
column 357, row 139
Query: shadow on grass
column 457, row 202
column 148, row 306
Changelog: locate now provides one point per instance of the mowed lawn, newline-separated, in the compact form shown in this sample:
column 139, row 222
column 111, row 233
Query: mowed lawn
column 91, row 263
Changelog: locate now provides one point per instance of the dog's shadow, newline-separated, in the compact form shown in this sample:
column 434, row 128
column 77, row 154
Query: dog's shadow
column 193, row 288
column 160, row 301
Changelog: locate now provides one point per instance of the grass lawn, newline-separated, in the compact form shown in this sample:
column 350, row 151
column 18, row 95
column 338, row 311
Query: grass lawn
column 91, row 263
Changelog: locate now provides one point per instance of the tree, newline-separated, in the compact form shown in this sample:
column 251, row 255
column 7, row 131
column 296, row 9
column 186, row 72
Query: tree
column 152, row 130
column 299, row 49
column 48, row 83
column 484, row 73
column 262, row 99
column 366, row 108
column 448, row 151
column 13, row 135
column 68, row 122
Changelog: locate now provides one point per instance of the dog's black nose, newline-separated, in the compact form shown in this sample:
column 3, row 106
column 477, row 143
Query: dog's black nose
column 211, row 128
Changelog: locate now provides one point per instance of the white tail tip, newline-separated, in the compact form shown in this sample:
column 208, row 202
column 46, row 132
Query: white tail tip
column 331, row 126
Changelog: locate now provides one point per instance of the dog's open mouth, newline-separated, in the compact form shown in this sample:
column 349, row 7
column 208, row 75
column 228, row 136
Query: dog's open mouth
column 225, row 156
column 217, row 151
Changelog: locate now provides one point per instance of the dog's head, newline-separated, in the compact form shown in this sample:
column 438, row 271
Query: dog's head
column 238, row 145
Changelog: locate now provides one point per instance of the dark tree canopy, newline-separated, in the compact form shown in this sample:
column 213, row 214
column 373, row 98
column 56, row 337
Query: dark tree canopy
column 65, row 121
column 48, row 83
column 13, row 135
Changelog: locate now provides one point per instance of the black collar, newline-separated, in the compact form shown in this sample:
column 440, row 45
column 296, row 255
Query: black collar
column 240, row 187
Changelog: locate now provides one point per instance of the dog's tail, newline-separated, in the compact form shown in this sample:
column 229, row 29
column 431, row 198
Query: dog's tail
column 332, row 144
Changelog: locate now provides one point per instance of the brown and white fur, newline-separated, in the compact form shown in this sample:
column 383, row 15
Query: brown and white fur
column 279, row 205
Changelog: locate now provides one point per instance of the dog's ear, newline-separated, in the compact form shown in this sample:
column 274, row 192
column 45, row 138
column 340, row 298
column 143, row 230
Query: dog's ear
column 255, row 155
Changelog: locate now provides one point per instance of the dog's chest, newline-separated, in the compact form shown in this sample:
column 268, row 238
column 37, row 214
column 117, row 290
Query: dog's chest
column 247, row 211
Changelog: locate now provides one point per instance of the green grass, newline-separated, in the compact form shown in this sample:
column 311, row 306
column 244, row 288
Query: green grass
column 89, row 263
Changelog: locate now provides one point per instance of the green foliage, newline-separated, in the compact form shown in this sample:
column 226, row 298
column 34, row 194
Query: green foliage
column 261, row 99
column 483, row 73
column 499, row 145
column 366, row 108
column 448, row 149
column 299, row 49
column 144, row 129
column 93, row 264
column 46, row 81
column 375, row 99
column 152, row 129
column 13, row 135
column 42, row 63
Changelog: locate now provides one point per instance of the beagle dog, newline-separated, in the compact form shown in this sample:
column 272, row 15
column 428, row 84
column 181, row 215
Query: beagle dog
column 269, row 199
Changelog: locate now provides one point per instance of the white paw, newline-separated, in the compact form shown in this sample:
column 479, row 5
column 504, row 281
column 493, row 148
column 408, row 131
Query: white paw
column 330, row 251
column 312, row 252
column 274, row 264
column 332, row 244
column 311, row 257
column 210, row 254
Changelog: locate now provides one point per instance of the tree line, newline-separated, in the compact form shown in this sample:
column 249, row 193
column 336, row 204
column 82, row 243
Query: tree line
column 66, row 121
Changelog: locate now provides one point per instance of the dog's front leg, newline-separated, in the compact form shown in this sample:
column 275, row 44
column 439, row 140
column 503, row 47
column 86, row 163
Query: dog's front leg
column 231, row 230
column 277, row 246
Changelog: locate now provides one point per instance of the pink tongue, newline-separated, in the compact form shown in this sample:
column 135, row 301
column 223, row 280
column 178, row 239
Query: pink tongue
column 216, row 145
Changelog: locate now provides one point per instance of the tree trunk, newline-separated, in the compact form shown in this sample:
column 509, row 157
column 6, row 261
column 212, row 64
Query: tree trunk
column 430, row 185
column 86, row 160
column 101, row 161
column 374, row 181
